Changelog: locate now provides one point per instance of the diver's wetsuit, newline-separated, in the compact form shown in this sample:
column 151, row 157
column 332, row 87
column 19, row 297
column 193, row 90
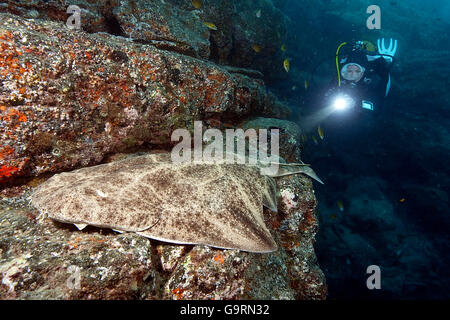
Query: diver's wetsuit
column 371, row 87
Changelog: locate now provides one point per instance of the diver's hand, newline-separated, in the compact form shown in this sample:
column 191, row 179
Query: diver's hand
column 387, row 53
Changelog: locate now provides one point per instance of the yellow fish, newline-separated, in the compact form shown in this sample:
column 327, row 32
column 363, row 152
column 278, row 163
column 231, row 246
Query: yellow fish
column 369, row 46
column 306, row 85
column 283, row 47
column 256, row 48
column 315, row 140
column 333, row 216
column 320, row 131
column 340, row 205
column 304, row 138
column 258, row 13
column 287, row 65
column 402, row 200
column 210, row 25
column 197, row 4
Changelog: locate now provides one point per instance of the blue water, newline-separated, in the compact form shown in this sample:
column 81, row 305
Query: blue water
column 390, row 170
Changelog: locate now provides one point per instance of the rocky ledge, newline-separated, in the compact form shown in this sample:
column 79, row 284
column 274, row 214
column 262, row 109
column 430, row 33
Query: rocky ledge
column 68, row 98
column 71, row 99
column 43, row 259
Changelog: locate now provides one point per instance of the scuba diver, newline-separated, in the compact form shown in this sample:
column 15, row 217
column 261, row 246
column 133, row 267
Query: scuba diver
column 363, row 76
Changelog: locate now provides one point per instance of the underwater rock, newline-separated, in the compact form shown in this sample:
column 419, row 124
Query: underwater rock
column 268, row 32
column 42, row 259
column 69, row 98
column 178, row 26
column 164, row 25
column 289, row 135
column 94, row 13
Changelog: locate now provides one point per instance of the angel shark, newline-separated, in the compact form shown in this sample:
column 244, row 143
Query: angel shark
column 219, row 205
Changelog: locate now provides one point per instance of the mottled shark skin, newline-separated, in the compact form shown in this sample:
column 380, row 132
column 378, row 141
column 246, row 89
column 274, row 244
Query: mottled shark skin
column 219, row 205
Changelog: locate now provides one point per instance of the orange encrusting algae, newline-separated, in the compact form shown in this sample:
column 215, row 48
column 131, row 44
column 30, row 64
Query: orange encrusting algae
column 17, row 71
column 7, row 171
column 9, row 63
column 178, row 292
column 78, row 241
column 5, row 152
column 21, row 117
column 218, row 258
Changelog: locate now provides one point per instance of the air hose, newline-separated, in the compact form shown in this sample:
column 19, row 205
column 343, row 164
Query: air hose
column 337, row 62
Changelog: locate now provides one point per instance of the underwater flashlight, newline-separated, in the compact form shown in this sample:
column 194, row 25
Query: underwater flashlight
column 343, row 102
column 340, row 104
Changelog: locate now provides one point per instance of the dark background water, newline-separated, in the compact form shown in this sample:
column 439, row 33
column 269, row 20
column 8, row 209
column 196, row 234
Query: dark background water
column 390, row 170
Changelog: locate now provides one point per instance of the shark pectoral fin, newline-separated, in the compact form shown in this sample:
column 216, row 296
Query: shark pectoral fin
column 302, row 170
column 310, row 172
column 270, row 195
column 282, row 172
column 294, row 164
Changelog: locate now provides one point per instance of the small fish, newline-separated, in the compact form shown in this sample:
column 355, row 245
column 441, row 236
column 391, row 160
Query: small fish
column 315, row 140
column 304, row 138
column 306, row 84
column 278, row 35
column 258, row 13
column 340, row 205
column 256, row 48
column 333, row 216
column 402, row 200
column 283, row 47
column 210, row 25
column 320, row 131
column 197, row 4
column 294, row 88
column 369, row 46
column 286, row 65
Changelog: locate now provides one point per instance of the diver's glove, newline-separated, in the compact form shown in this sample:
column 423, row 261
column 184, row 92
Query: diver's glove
column 387, row 53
